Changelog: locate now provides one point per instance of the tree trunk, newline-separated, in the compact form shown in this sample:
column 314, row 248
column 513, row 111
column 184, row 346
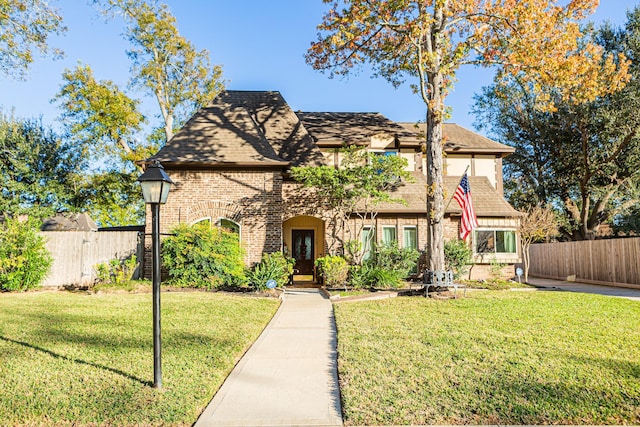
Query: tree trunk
column 435, row 189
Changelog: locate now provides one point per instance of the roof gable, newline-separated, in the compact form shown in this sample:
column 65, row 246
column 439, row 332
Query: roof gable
column 241, row 128
column 336, row 129
column 460, row 140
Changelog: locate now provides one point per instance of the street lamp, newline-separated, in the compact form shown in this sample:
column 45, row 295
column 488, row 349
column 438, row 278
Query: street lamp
column 155, row 185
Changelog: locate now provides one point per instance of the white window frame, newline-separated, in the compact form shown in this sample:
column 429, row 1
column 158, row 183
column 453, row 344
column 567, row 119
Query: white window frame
column 367, row 252
column 395, row 233
column 495, row 253
column 404, row 241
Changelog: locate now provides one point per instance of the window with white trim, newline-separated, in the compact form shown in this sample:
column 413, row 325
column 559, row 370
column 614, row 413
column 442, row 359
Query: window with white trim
column 410, row 237
column 367, row 237
column 229, row 225
column 495, row 242
column 389, row 235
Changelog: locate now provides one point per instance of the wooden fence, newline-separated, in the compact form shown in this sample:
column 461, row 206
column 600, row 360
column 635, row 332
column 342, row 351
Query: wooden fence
column 76, row 253
column 609, row 261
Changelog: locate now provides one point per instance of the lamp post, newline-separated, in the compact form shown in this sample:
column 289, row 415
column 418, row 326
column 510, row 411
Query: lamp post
column 155, row 185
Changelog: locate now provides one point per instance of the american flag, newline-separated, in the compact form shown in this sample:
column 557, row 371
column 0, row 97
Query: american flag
column 463, row 196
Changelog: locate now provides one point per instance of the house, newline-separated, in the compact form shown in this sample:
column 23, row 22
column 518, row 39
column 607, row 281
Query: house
column 230, row 163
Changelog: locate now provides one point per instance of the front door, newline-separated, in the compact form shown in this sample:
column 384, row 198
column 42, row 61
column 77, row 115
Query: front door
column 303, row 243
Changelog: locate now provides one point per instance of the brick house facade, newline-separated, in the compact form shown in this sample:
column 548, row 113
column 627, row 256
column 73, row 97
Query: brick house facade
column 230, row 164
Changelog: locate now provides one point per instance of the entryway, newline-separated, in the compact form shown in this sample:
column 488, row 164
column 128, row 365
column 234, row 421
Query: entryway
column 304, row 241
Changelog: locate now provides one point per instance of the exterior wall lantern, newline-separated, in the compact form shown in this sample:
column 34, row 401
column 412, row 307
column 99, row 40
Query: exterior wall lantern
column 155, row 185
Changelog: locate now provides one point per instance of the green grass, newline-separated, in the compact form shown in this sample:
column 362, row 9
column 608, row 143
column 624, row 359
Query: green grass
column 73, row 359
column 491, row 358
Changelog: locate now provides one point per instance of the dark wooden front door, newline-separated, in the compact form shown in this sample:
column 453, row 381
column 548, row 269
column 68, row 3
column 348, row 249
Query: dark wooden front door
column 303, row 243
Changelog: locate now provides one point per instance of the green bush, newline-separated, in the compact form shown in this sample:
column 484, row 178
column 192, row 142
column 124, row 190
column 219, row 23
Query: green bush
column 334, row 269
column 457, row 257
column 386, row 269
column 276, row 266
column 399, row 261
column 202, row 256
column 116, row 271
column 24, row 259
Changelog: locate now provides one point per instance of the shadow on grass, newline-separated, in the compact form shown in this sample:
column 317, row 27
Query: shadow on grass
column 80, row 361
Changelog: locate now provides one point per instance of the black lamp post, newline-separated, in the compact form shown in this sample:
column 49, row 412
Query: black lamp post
column 155, row 185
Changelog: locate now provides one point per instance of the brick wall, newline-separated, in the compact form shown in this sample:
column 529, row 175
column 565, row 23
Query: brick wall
column 252, row 199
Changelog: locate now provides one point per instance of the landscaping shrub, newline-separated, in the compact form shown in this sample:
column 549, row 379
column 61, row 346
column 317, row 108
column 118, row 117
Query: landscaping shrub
column 386, row 269
column 202, row 256
column 116, row 271
column 274, row 265
column 399, row 261
column 457, row 257
column 334, row 270
column 24, row 259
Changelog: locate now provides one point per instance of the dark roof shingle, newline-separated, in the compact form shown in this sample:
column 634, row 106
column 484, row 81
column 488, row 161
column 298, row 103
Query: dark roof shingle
column 486, row 200
column 242, row 128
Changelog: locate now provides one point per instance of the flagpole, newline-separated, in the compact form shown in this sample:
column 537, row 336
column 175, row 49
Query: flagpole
column 465, row 172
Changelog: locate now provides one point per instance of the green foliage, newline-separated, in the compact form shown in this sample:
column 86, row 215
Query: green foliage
column 25, row 26
column 116, row 271
column 111, row 198
column 166, row 64
column 99, row 116
column 24, row 259
column 386, row 269
column 38, row 170
column 402, row 261
column 274, row 265
column 582, row 158
column 457, row 257
column 495, row 269
column 334, row 270
column 202, row 256
column 370, row 275
column 363, row 181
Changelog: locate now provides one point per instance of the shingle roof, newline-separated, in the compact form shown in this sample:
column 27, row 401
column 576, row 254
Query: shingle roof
column 336, row 129
column 461, row 140
column 242, row 128
column 486, row 200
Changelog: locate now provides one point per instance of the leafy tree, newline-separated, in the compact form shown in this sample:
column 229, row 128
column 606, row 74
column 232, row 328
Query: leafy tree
column 111, row 198
column 165, row 63
column 582, row 158
column 539, row 224
column 38, row 170
column 429, row 40
column 25, row 26
column 363, row 181
column 99, row 116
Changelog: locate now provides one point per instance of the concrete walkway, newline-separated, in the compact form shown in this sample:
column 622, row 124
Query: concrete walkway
column 614, row 291
column 289, row 376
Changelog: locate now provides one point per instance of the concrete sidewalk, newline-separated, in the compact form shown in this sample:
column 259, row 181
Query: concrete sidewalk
column 614, row 291
column 289, row 376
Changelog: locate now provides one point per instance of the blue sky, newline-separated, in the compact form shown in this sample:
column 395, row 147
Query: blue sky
column 261, row 46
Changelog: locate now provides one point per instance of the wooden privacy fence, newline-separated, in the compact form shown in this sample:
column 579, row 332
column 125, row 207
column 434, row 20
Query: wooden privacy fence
column 607, row 261
column 76, row 253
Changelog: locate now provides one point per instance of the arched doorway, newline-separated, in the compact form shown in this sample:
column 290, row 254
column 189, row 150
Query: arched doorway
column 304, row 240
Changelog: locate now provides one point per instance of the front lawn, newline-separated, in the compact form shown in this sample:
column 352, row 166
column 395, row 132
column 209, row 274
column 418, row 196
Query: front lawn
column 490, row 358
column 73, row 359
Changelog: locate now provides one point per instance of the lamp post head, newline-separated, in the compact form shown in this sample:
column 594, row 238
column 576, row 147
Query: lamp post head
column 155, row 184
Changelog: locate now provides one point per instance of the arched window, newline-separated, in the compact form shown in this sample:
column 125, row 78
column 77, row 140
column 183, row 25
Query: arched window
column 229, row 225
column 202, row 221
